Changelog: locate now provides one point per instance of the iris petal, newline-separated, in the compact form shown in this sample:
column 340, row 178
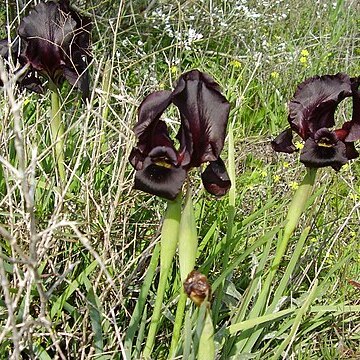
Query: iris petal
column 283, row 142
column 47, row 32
column 159, row 176
column 354, row 124
column 204, row 113
column 351, row 152
column 315, row 101
column 57, row 43
column 216, row 179
column 315, row 156
column 150, row 111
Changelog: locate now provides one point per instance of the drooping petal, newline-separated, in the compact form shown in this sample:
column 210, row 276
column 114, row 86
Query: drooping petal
column 204, row 113
column 216, row 179
column 353, row 126
column 315, row 101
column 324, row 150
column 32, row 82
column 351, row 152
column 159, row 176
column 283, row 142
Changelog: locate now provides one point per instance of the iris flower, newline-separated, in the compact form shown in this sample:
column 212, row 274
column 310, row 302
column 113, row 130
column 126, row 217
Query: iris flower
column 161, row 167
column 54, row 42
column 312, row 117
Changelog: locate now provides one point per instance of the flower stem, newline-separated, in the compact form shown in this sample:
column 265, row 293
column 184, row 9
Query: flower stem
column 296, row 208
column 169, row 240
column 188, row 244
column 57, row 132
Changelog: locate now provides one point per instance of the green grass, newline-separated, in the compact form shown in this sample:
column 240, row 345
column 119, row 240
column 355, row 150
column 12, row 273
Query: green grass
column 76, row 264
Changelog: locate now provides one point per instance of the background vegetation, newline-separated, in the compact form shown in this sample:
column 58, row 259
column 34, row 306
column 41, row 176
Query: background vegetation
column 73, row 262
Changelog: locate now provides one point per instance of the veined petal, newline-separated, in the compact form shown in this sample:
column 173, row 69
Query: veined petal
column 315, row 101
column 204, row 113
column 216, row 179
column 283, row 142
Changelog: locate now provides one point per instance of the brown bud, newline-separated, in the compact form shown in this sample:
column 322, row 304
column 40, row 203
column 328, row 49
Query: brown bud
column 197, row 287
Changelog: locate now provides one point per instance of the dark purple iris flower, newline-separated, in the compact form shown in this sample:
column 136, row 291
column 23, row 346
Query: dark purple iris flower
column 161, row 168
column 54, row 42
column 311, row 116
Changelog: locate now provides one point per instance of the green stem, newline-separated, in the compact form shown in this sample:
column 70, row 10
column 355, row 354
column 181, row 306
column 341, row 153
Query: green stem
column 57, row 133
column 169, row 240
column 296, row 208
column 188, row 244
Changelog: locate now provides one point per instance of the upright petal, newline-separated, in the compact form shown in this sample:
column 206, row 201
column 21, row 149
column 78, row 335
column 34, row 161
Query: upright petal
column 48, row 32
column 75, row 70
column 204, row 114
column 216, row 179
column 150, row 111
column 315, row 101
column 57, row 41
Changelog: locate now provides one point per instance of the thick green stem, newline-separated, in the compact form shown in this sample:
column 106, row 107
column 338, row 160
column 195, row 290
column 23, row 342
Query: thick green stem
column 169, row 240
column 296, row 208
column 188, row 244
column 57, row 134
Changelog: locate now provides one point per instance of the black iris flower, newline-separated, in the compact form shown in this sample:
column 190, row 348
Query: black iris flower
column 54, row 43
column 161, row 167
column 312, row 117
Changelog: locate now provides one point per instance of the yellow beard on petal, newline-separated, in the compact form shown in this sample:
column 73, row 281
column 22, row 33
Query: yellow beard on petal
column 163, row 164
column 325, row 143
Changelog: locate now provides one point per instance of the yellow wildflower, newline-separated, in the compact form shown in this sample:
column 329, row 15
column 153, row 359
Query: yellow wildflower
column 294, row 185
column 235, row 63
column 276, row 178
column 304, row 52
